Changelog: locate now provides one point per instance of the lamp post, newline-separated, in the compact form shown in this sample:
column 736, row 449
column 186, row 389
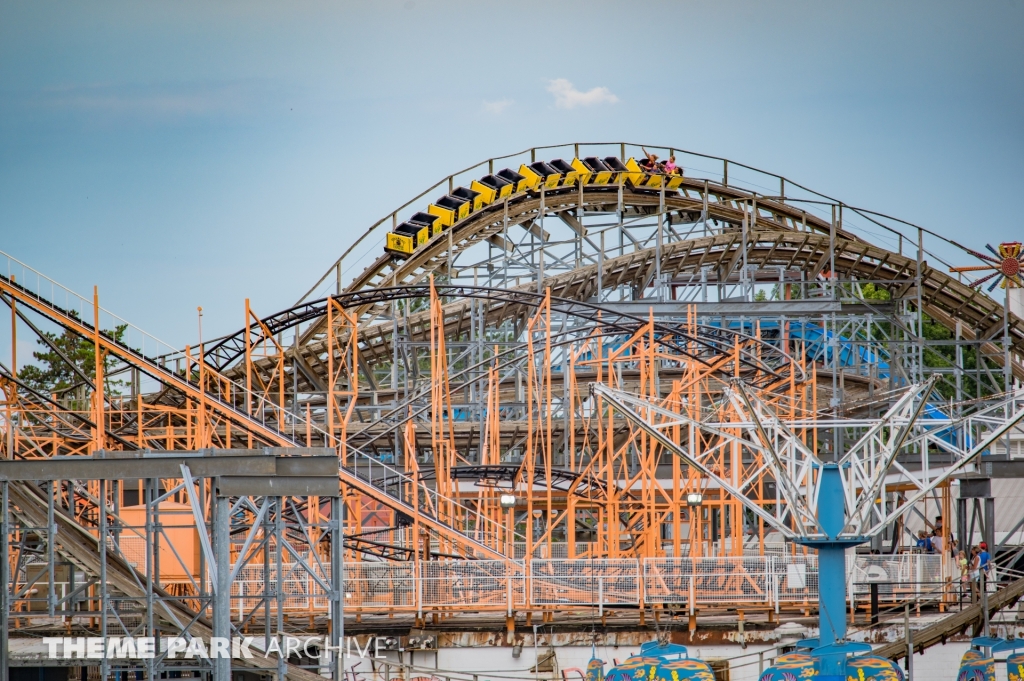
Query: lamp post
column 508, row 501
column 693, row 501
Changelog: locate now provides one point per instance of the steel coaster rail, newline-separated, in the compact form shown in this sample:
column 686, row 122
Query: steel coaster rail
column 36, row 283
column 470, row 292
column 299, row 311
column 69, row 317
column 556, row 342
column 228, row 402
column 267, row 413
column 230, row 347
column 573, row 307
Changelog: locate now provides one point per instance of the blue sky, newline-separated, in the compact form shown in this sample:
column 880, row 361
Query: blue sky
column 190, row 153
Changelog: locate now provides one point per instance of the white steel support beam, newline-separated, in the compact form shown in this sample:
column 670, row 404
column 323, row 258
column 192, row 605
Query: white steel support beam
column 866, row 467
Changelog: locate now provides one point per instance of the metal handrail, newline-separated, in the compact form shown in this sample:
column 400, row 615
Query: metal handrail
column 36, row 283
column 229, row 393
column 532, row 151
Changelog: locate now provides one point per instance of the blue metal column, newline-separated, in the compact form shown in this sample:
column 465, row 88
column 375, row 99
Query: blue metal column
column 831, row 558
column 831, row 594
column 832, row 575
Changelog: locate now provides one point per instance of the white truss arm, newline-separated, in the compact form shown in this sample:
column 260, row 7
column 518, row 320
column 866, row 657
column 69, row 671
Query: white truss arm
column 866, row 464
column 792, row 464
column 999, row 431
column 631, row 407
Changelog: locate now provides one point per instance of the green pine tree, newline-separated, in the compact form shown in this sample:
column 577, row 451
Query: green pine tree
column 51, row 374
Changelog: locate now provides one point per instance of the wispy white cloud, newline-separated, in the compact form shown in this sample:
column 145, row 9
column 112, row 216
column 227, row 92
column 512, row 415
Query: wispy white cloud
column 568, row 97
column 498, row 106
column 150, row 102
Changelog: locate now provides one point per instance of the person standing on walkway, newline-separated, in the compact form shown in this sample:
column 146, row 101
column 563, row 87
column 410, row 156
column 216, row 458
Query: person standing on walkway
column 964, row 567
column 974, row 574
column 984, row 563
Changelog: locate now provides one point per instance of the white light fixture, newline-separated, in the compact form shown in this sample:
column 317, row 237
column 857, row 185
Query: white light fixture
column 694, row 499
column 507, row 501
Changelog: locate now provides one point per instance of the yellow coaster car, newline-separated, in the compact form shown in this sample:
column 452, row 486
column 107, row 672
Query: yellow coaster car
column 458, row 205
column 622, row 174
column 501, row 186
column 549, row 176
column 399, row 244
column 569, row 173
column 471, row 196
column 592, row 170
column 430, row 221
column 520, row 182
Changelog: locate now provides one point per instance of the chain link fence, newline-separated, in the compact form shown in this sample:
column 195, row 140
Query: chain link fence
column 495, row 585
column 604, row 581
column 488, row 584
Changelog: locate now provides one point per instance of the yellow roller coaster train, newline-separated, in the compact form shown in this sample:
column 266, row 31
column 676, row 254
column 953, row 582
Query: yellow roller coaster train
column 539, row 176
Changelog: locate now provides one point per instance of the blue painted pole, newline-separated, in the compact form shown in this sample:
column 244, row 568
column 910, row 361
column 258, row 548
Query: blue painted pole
column 832, row 572
column 832, row 594
column 831, row 558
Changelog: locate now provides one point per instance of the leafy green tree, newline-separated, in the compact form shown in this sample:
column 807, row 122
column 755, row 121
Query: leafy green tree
column 872, row 292
column 52, row 374
column 944, row 356
column 761, row 295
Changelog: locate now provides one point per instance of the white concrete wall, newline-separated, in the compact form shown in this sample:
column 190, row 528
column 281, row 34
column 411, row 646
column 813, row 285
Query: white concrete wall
column 942, row 662
column 939, row 663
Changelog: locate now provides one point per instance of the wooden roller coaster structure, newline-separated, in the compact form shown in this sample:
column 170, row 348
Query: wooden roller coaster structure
column 454, row 381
